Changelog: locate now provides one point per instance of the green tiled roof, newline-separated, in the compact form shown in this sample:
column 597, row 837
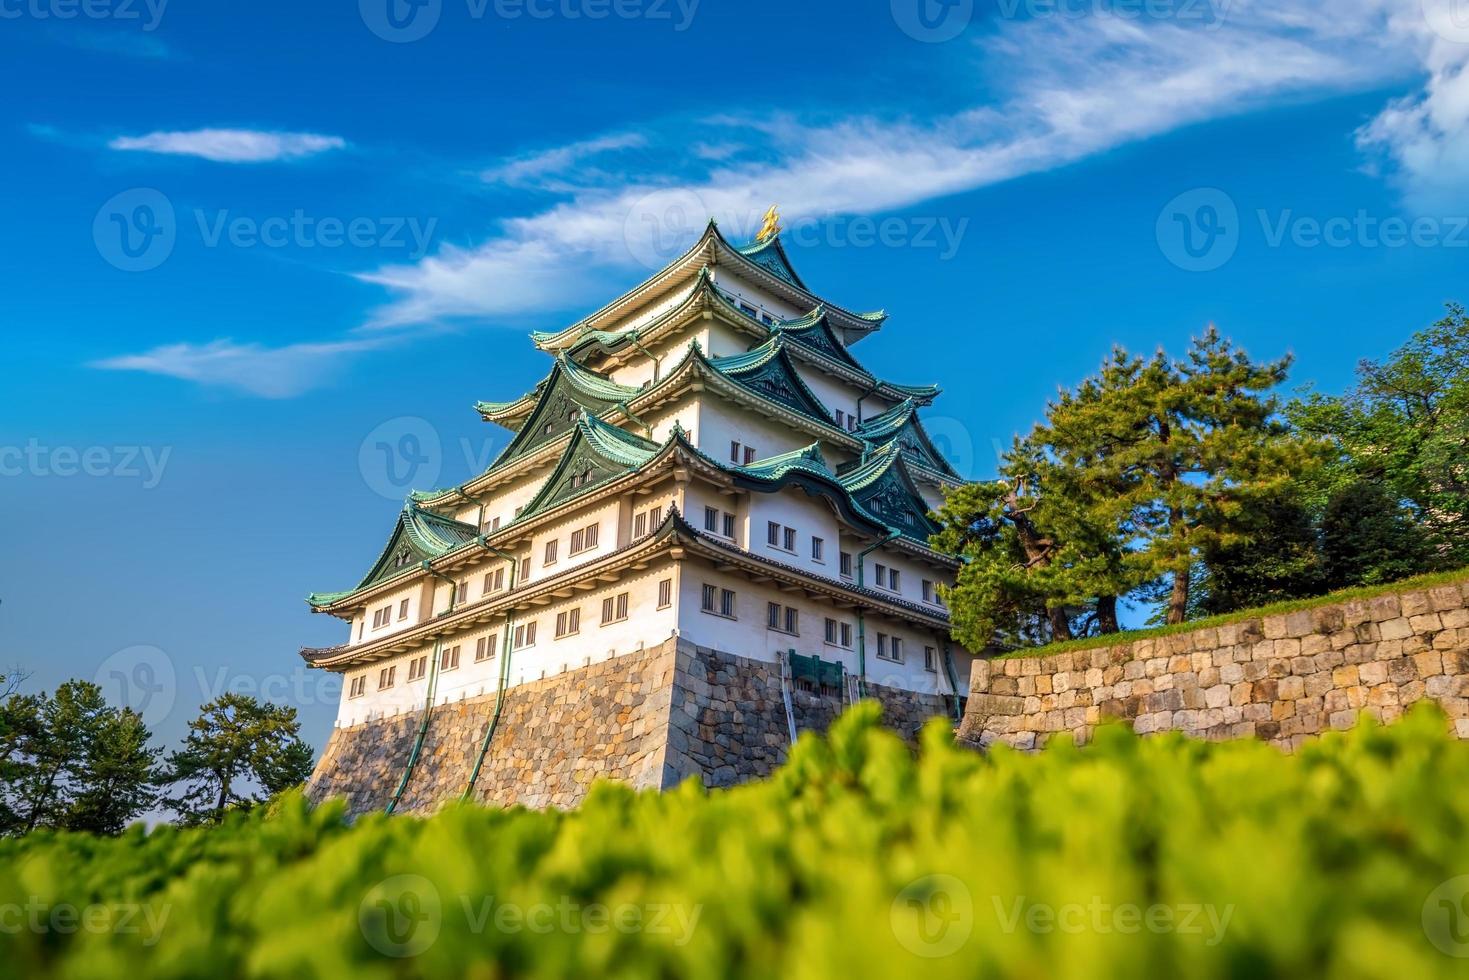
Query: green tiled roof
column 807, row 458
column 882, row 486
column 418, row 536
column 566, row 391
column 597, row 452
column 767, row 370
column 771, row 256
column 901, row 426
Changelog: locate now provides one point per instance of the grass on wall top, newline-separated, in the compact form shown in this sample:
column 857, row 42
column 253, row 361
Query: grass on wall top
column 1293, row 605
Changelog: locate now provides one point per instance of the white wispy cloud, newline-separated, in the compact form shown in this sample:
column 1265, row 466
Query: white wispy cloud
column 1086, row 85
column 1424, row 137
column 1077, row 87
column 231, row 145
column 548, row 169
column 254, row 369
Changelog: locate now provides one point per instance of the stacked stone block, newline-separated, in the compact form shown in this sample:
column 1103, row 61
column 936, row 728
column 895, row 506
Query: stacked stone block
column 1281, row 678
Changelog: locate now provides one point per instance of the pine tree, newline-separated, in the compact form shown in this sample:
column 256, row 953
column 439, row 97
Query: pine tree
column 236, row 742
column 1174, row 453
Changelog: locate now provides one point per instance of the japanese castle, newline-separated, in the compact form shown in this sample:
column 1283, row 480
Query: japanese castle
column 704, row 460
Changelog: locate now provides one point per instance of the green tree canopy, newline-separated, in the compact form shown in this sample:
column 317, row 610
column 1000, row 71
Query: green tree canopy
column 1405, row 427
column 237, row 743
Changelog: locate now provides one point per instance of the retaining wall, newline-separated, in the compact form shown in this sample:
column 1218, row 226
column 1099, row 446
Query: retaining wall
column 1281, row 678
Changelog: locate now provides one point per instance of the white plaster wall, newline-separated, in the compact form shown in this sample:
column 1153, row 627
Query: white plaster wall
column 646, row 624
column 749, row 636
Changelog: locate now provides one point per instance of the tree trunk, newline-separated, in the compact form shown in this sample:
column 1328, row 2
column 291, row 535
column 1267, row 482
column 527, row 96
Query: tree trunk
column 1178, row 599
column 1060, row 625
column 1107, row 613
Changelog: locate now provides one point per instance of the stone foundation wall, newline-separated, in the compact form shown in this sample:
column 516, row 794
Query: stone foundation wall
column 650, row 719
column 1280, row 678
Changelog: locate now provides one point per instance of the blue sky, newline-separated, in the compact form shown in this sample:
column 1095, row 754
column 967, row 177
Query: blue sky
column 248, row 242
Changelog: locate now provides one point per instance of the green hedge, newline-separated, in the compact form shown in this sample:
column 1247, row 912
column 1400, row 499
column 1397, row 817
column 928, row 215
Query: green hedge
column 1129, row 858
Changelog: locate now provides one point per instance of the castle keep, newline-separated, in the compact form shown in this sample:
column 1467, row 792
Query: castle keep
column 708, row 532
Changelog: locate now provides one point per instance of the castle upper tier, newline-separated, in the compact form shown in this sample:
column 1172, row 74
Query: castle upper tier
column 704, row 460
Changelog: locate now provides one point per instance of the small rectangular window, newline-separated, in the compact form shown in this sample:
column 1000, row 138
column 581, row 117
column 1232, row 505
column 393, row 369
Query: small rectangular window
column 576, row 542
column 846, row 634
column 880, row 575
column 749, row 455
column 831, row 630
column 499, row 578
column 772, row 534
column 896, row 644
column 524, row 569
column 727, row 603
column 665, row 593
column 772, row 615
column 930, row 659
column 790, row 539
column 711, row 519
column 729, row 526
column 385, row 678
column 706, row 603
column 489, row 583
column 793, row 621
column 495, row 524
column 841, row 419
column 568, row 623
column 461, row 592
column 359, row 686
column 590, row 536
column 818, row 549
column 655, row 517
column 417, row 667
column 484, row 648
column 927, row 590
column 845, row 561
column 882, row 646
column 639, row 525
column 852, row 423
column 614, row 608
column 734, row 452
column 893, row 581
column 449, row 659
column 403, row 609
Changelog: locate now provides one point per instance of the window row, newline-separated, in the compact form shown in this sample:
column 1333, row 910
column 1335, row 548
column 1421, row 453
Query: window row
column 645, row 522
column 741, row 454
column 582, row 539
column 719, row 522
column 568, row 623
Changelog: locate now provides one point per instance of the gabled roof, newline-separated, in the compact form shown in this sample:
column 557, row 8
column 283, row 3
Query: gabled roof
column 768, row 253
column 568, row 390
column 418, row 536
column 767, row 370
column 900, row 425
column 882, row 485
column 597, row 452
column 767, row 260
